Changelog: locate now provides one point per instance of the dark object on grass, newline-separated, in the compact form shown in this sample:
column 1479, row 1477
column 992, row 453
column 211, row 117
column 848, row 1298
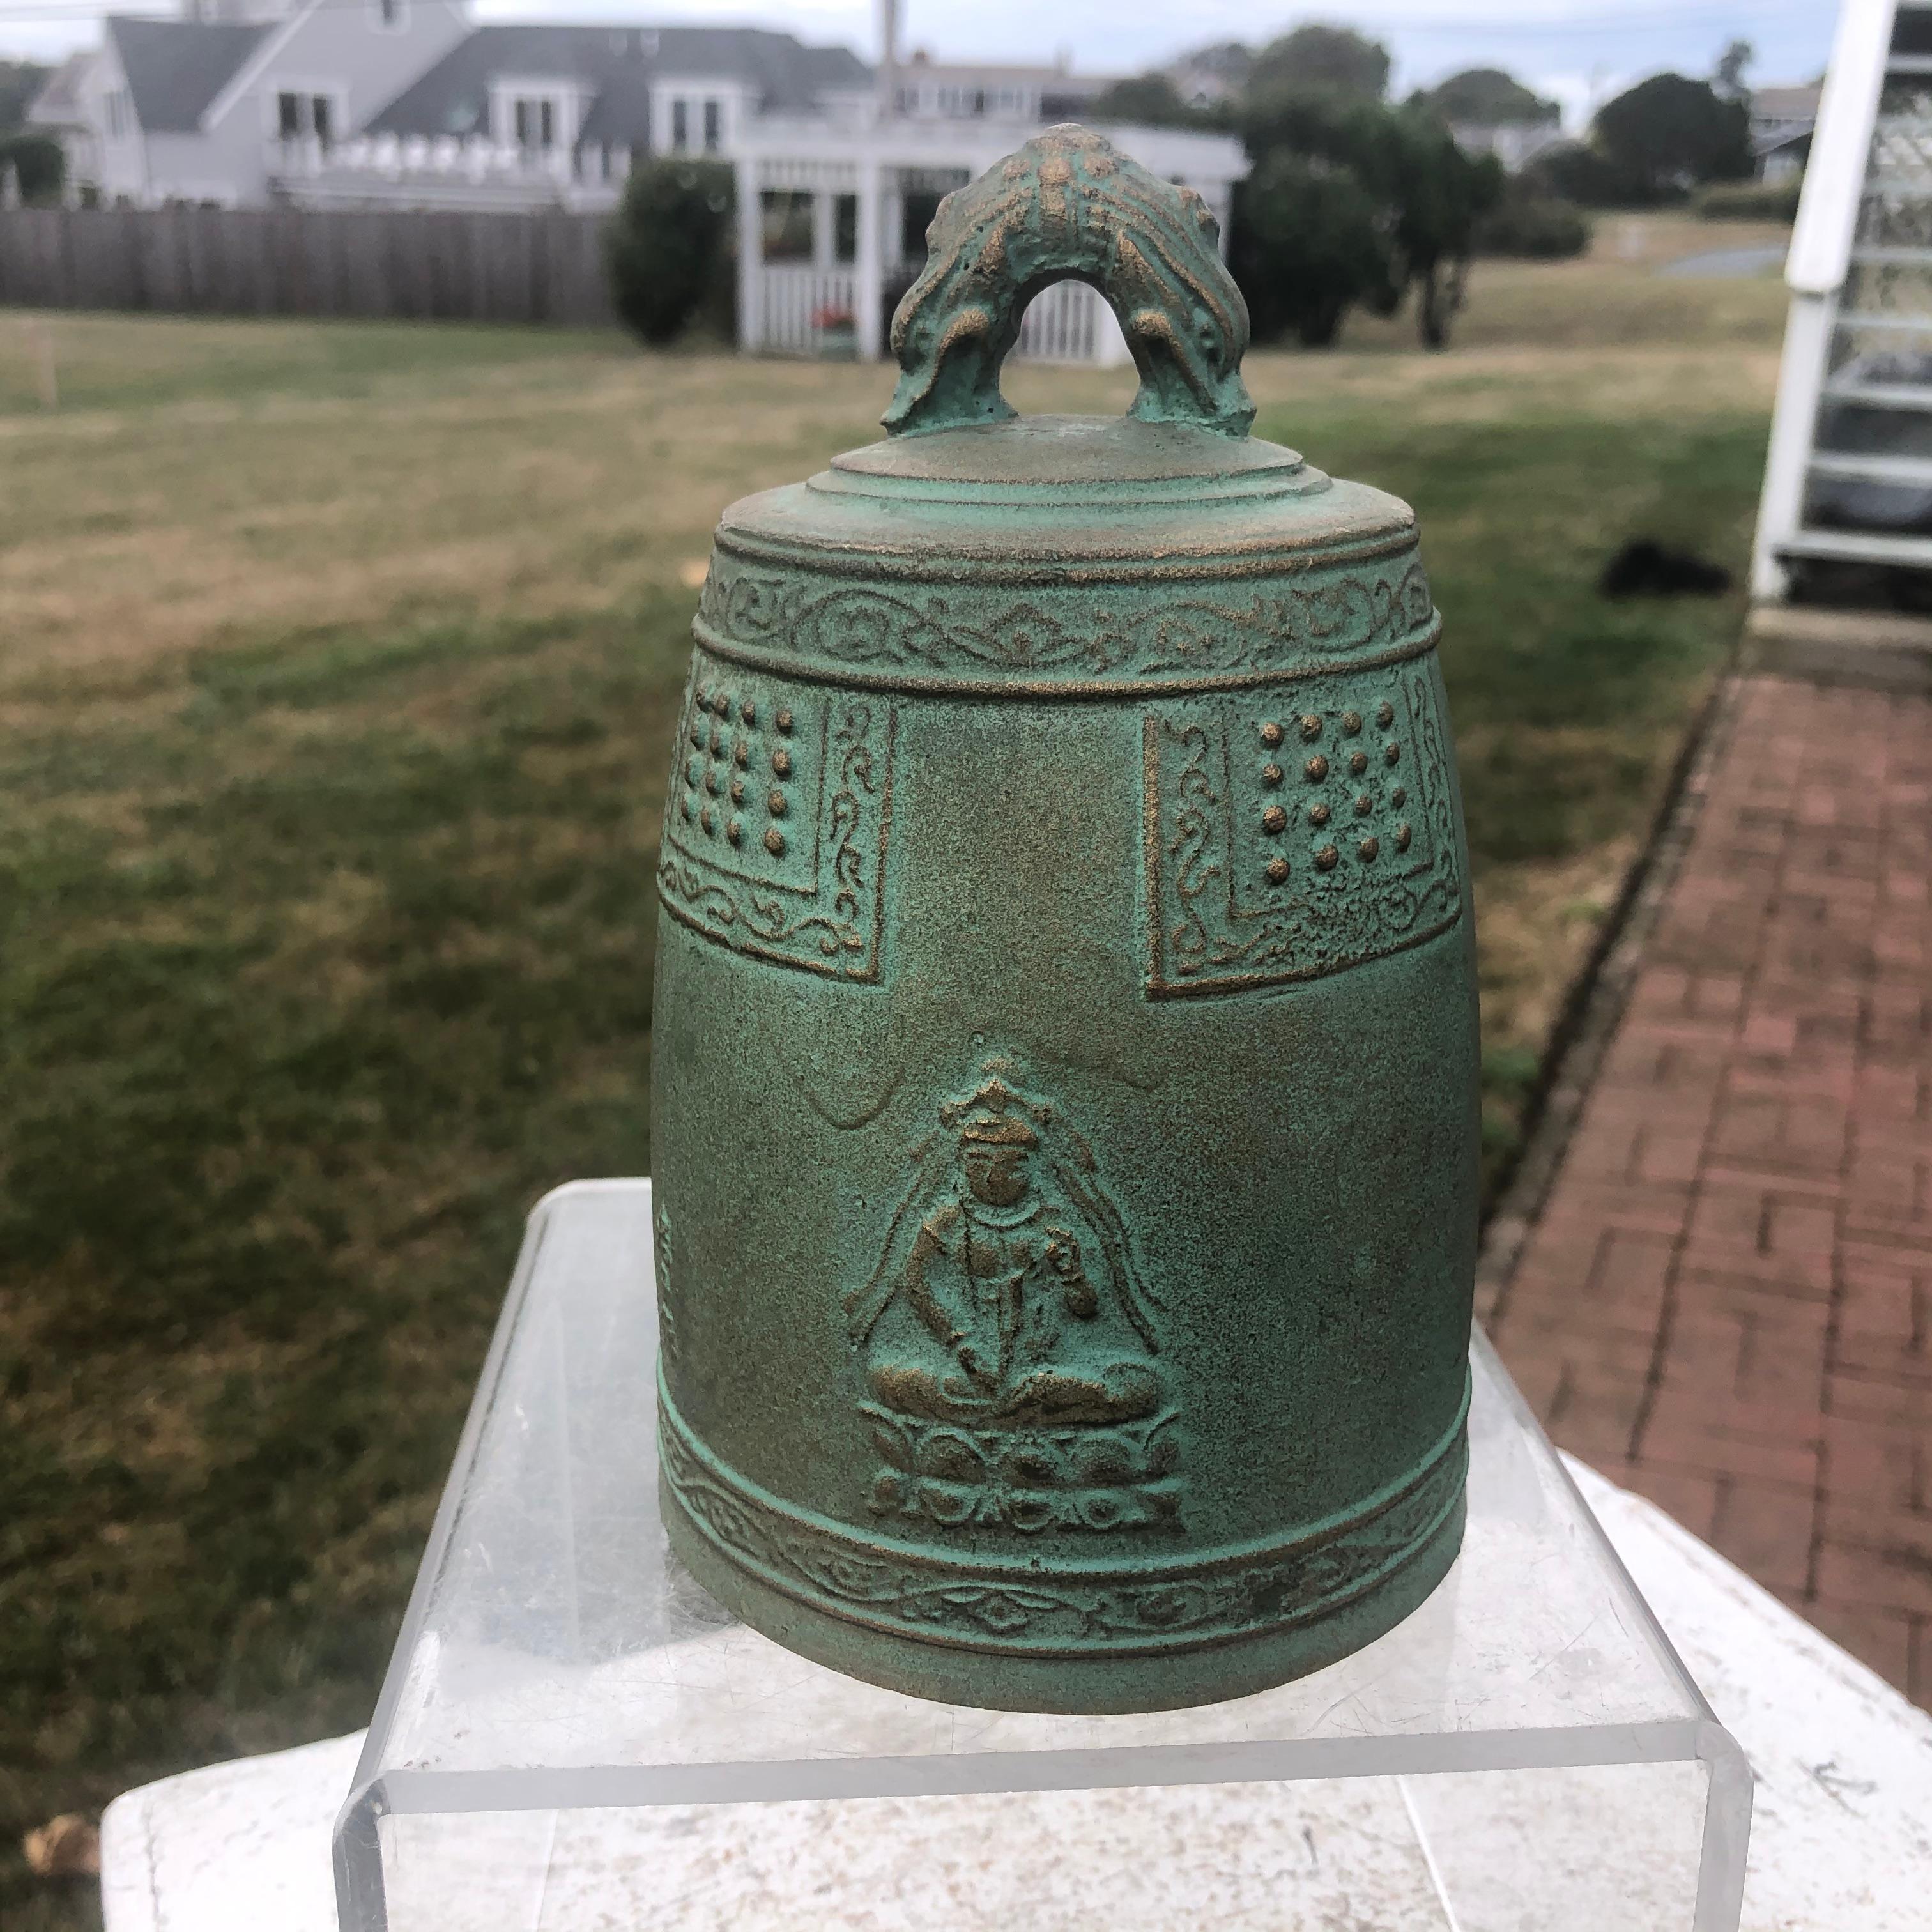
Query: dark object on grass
column 1643, row 568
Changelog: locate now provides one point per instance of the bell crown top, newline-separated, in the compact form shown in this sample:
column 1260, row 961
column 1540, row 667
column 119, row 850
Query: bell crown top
column 1069, row 206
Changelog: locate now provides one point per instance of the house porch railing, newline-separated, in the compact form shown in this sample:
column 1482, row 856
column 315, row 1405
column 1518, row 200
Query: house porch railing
column 795, row 304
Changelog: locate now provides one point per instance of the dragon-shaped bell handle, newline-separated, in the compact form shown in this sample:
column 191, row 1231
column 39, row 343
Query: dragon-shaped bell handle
column 1069, row 206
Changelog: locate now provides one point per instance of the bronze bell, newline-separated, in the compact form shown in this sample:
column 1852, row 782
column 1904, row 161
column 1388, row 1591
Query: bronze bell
column 1065, row 1095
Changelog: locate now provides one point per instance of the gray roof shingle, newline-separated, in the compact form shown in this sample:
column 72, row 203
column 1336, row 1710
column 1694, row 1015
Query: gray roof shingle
column 175, row 68
column 618, row 64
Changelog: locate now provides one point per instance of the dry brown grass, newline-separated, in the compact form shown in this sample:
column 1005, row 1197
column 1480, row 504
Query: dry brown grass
column 160, row 514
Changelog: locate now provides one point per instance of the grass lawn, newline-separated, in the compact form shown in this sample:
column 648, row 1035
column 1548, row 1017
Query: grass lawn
column 336, row 663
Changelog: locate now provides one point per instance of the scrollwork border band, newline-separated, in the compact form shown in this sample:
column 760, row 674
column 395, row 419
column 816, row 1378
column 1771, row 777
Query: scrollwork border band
column 817, row 670
column 1020, row 1609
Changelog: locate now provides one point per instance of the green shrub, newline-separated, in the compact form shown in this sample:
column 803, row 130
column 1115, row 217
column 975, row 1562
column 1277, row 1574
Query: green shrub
column 1532, row 226
column 1308, row 246
column 668, row 250
column 1574, row 172
column 1749, row 201
column 1380, row 180
column 38, row 160
column 1668, row 135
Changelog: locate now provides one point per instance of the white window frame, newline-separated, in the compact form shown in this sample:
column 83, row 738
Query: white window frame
column 563, row 98
column 308, row 92
column 693, row 97
column 540, row 129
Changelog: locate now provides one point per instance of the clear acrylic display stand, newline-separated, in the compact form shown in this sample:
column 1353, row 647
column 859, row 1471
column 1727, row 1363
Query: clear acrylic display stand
column 573, row 1736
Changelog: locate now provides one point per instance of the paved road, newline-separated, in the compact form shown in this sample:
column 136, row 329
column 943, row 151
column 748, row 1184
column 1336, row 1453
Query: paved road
column 1722, row 263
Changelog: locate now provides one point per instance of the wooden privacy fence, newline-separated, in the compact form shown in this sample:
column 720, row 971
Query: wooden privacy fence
column 536, row 268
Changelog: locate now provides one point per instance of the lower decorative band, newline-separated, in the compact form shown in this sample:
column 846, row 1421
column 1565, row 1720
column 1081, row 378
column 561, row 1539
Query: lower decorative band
column 1024, row 1609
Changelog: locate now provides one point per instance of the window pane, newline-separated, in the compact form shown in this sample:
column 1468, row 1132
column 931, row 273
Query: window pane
column 845, row 227
column 785, row 224
column 523, row 111
column 288, row 110
column 919, row 205
column 714, row 120
column 680, row 126
column 319, row 107
column 548, row 137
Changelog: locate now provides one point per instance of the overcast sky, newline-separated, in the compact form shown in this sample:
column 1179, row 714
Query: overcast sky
column 1577, row 50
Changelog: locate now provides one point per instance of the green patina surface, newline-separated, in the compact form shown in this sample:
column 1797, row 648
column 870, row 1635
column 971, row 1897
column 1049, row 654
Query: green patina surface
column 1065, row 1082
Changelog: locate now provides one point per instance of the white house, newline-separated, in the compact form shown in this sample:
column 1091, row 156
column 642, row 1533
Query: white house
column 521, row 116
column 213, row 107
column 924, row 89
column 246, row 102
column 1782, row 119
column 1514, row 143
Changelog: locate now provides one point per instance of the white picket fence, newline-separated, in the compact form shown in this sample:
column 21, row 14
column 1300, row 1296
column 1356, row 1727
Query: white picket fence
column 794, row 304
column 1069, row 322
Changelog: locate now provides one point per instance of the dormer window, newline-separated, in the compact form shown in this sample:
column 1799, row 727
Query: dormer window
column 303, row 117
column 697, row 124
column 535, row 121
column 534, row 114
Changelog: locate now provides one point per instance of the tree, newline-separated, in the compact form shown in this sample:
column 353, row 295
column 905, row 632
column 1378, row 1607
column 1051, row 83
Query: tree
column 1440, row 194
column 1728, row 81
column 1669, row 134
column 1485, row 97
column 1151, row 100
column 37, row 164
column 1308, row 246
column 1428, row 194
column 19, row 82
column 1318, row 57
column 1573, row 171
column 1532, row 225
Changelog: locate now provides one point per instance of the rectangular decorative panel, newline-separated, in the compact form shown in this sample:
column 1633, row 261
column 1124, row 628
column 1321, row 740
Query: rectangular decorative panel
column 777, row 818
column 1296, row 830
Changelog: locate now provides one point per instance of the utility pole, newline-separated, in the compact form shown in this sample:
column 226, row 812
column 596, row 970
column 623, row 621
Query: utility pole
column 889, row 58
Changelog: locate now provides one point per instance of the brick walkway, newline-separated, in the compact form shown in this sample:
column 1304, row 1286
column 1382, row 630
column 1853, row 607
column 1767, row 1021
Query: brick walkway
column 1725, row 1303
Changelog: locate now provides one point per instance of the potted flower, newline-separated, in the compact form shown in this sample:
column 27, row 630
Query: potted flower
column 835, row 334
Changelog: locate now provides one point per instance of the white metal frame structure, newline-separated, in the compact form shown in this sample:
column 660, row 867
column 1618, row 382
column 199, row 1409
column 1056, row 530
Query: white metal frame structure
column 1859, row 338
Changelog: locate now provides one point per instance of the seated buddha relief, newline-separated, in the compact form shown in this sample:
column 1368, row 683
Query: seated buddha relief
column 1004, row 1339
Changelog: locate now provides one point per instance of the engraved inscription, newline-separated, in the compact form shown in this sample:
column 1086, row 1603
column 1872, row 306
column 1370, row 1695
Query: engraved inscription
column 777, row 819
column 1260, row 871
column 1006, row 1344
